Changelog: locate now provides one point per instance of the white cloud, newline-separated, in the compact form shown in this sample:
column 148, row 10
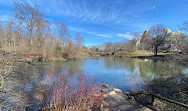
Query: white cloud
column 101, row 35
column 126, row 35
column 104, row 35
column 95, row 11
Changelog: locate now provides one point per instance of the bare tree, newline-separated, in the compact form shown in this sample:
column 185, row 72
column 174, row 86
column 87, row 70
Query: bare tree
column 135, row 45
column 158, row 37
column 62, row 30
column 184, row 45
column 79, row 40
column 1, row 36
column 136, row 35
column 185, row 26
column 9, row 34
column 79, row 44
column 108, row 48
column 34, row 36
column 40, row 34
column 28, row 16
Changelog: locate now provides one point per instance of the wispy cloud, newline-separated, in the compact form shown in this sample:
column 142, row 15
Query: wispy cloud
column 104, row 35
column 107, row 12
column 126, row 35
column 100, row 35
column 103, row 19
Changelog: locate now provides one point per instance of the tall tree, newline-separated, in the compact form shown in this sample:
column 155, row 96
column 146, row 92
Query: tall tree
column 185, row 26
column 108, row 47
column 158, row 37
column 1, row 35
column 9, row 34
column 62, row 33
column 40, row 34
column 184, row 45
column 27, row 16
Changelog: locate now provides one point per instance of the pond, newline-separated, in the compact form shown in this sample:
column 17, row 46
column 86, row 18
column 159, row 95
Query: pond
column 118, row 72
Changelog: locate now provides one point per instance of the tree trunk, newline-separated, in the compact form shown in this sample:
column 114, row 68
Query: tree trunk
column 156, row 49
column 31, row 34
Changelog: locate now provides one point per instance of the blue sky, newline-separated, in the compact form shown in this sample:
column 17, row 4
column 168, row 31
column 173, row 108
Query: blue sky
column 102, row 21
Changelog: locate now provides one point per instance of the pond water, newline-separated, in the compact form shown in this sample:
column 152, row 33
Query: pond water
column 122, row 73
column 117, row 72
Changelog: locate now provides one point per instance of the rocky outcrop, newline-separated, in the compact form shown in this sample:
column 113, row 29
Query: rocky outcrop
column 117, row 100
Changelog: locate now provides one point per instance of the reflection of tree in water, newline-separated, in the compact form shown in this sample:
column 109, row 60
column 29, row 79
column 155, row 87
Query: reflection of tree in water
column 24, row 80
column 147, row 68
column 73, row 66
column 119, row 63
column 70, row 66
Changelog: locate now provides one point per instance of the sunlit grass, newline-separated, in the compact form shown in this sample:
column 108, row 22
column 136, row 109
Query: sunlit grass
column 145, row 53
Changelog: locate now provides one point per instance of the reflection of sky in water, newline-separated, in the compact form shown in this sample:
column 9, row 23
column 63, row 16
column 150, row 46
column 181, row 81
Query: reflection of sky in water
column 116, row 72
column 186, row 71
column 115, row 77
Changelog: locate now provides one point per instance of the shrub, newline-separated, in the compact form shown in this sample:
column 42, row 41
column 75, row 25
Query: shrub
column 58, row 51
column 63, row 92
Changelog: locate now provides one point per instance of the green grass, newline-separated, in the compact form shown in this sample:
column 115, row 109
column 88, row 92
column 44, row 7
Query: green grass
column 144, row 53
column 141, row 52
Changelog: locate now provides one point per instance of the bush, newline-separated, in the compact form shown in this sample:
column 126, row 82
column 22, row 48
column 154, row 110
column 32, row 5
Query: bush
column 62, row 92
column 58, row 51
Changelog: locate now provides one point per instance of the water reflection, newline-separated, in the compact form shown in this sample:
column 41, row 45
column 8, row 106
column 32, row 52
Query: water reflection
column 144, row 68
column 69, row 66
column 114, row 70
column 121, row 73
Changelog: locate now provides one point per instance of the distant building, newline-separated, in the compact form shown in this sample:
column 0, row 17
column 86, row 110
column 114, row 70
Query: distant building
column 137, row 44
column 173, row 39
column 144, row 41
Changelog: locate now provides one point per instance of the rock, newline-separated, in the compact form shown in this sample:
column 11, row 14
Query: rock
column 101, row 108
column 117, row 90
column 112, row 93
column 120, row 102
column 114, row 98
column 105, row 95
column 104, row 85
